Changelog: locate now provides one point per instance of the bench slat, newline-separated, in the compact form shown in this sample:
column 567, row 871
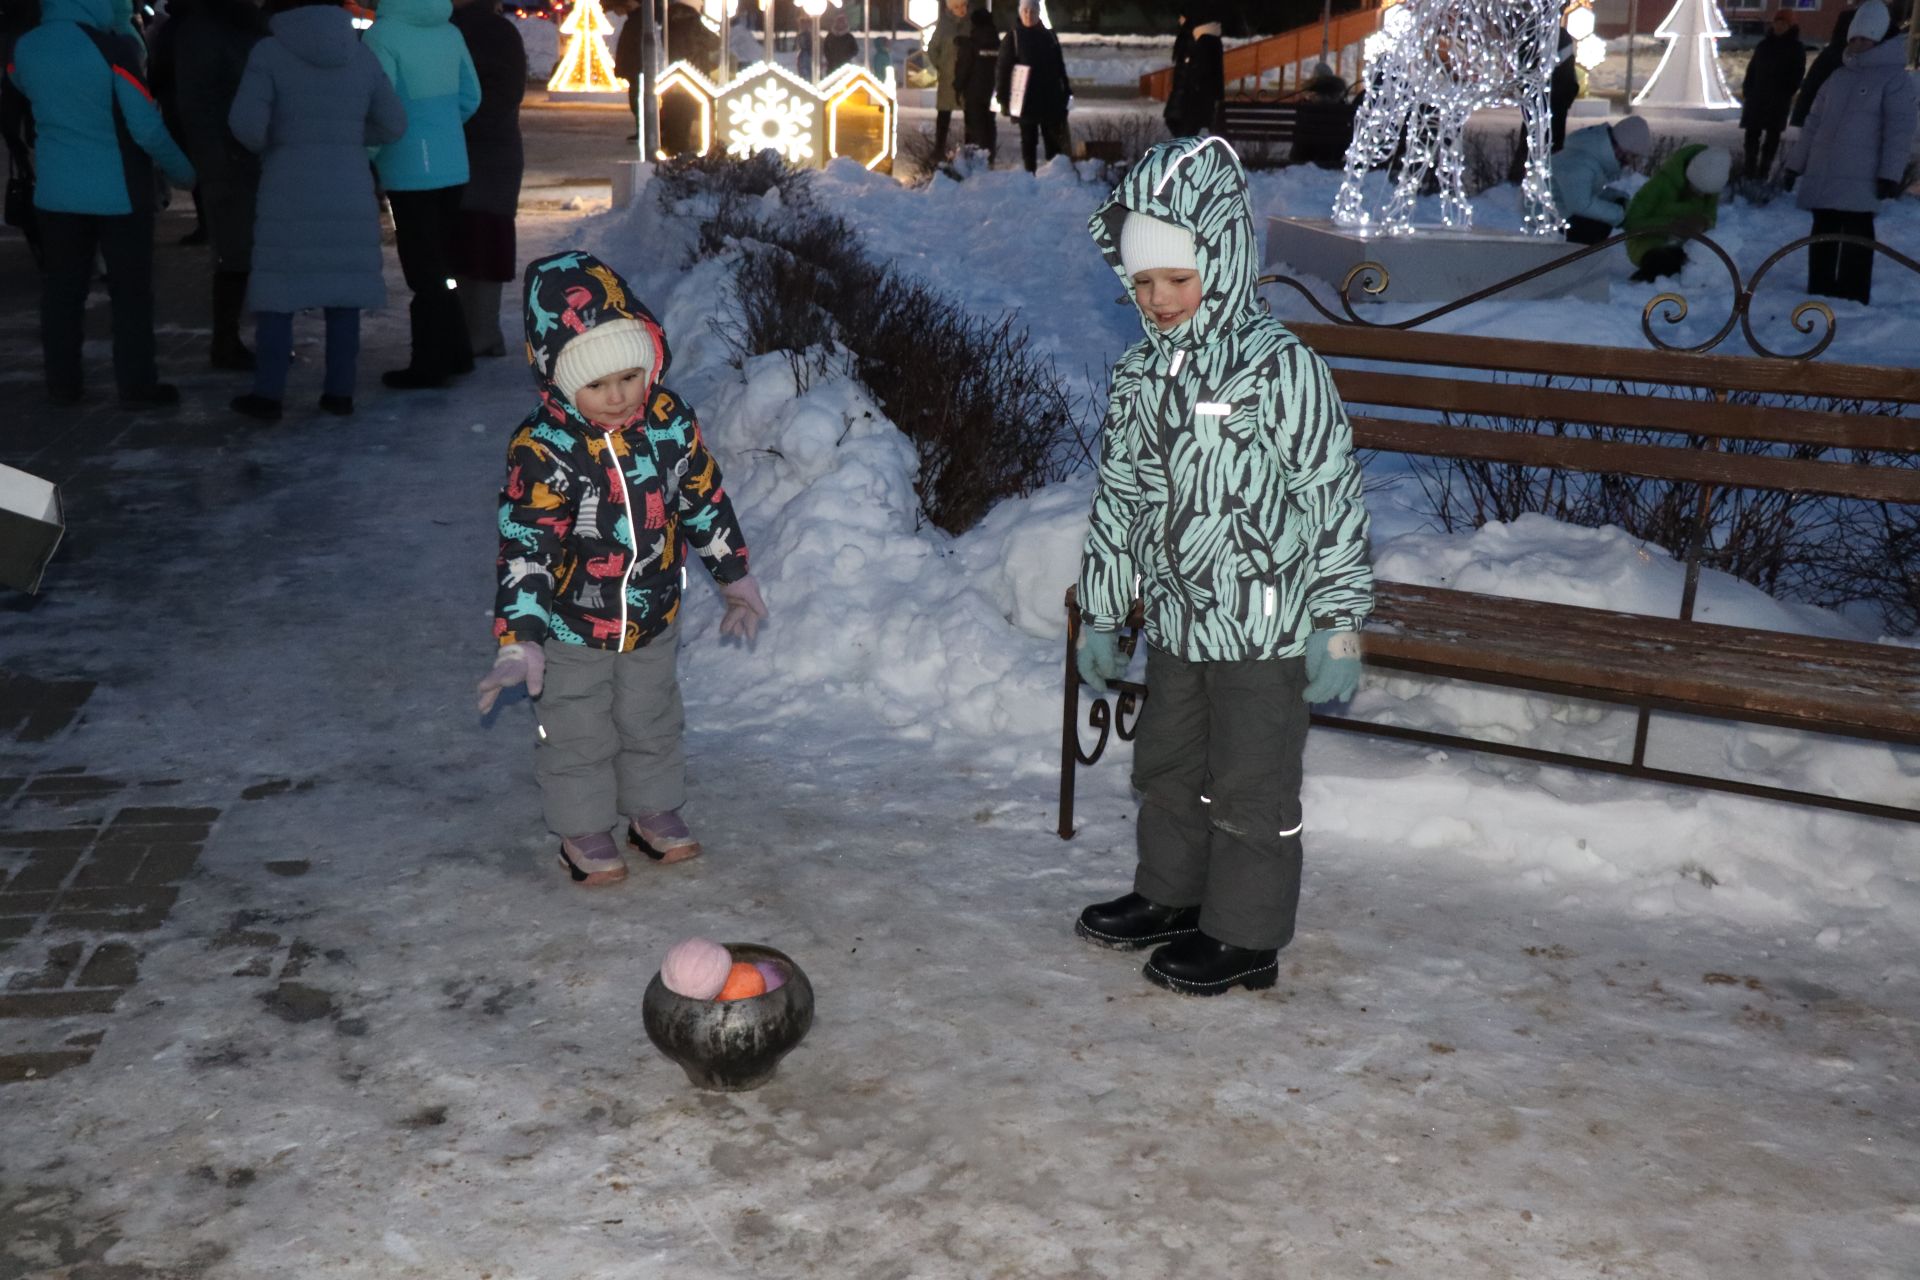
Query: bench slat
column 1792, row 475
column 1615, row 409
column 1716, row 668
column 1620, row 364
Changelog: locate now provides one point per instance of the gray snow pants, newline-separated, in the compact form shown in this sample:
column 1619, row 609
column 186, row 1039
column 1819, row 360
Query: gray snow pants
column 1217, row 763
column 612, row 745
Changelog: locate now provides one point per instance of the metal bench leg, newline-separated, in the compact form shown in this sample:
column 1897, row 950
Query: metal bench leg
column 1069, row 732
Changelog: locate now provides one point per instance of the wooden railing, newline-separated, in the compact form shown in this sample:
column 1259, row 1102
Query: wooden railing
column 1249, row 65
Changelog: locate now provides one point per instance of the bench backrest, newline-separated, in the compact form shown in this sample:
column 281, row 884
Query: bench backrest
column 1700, row 405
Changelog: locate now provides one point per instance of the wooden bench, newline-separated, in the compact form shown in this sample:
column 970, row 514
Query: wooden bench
column 1700, row 409
column 1319, row 132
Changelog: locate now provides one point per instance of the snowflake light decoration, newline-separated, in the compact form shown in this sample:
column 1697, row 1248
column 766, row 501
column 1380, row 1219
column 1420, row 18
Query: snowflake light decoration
column 770, row 117
column 1433, row 64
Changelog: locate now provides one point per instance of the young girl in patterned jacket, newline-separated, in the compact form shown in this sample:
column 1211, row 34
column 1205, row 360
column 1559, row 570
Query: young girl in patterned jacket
column 608, row 482
column 1230, row 506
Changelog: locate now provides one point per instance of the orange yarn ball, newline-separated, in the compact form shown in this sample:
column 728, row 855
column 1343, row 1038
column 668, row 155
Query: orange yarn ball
column 743, row 981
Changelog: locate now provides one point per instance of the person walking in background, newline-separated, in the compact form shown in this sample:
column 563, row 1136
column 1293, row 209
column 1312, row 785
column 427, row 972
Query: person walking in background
column 211, row 43
column 1563, row 89
column 1045, row 97
column 950, row 30
column 1584, row 173
column 17, row 17
column 484, row 254
column 687, row 40
column 162, row 66
column 1682, row 195
column 839, row 48
column 98, row 135
column 1199, row 71
column 422, row 172
column 1774, row 73
column 311, row 100
column 1853, row 152
column 630, row 53
column 977, row 69
column 1825, row 63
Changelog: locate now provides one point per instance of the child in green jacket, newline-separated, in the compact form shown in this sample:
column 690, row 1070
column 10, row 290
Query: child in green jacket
column 1229, row 504
column 1683, row 194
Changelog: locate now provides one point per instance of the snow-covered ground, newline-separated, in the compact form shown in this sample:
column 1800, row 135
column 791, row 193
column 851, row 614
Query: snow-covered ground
column 1537, row 1024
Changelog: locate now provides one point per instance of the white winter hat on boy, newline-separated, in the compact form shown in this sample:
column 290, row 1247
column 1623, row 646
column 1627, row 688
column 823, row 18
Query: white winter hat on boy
column 1147, row 244
column 1707, row 172
column 608, row 347
column 1870, row 22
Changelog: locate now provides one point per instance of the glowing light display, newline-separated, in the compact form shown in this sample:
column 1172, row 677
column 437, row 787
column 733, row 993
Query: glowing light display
column 1432, row 64
column 586, row 65
column 850, row 114
column 1689, row 72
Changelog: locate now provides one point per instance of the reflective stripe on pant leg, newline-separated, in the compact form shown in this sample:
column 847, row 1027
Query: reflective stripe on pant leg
column 1253, row 758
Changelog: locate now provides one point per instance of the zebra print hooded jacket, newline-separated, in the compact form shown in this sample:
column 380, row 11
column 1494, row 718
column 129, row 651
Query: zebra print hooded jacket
column 1228, row 501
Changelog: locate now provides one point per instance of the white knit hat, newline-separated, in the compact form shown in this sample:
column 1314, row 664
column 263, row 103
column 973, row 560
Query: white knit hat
column 1707, row 172
column 1870, row 22
column 1633, row 135
column 1148, row 243
column 608, row 347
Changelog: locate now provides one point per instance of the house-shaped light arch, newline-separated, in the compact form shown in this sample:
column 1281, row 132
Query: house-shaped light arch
column 767, row 106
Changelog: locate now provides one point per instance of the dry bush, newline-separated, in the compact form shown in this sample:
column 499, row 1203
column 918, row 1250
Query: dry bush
column 984, row 410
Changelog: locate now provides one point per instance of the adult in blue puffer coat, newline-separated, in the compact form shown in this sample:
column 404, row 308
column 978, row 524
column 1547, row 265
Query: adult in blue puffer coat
column 424, row 173
column 95, row 189
column 309, row 103
column 1852, row 152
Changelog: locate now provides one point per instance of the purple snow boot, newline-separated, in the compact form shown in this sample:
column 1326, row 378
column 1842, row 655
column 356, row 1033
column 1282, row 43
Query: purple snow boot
column 663, row 837
column 593, row 860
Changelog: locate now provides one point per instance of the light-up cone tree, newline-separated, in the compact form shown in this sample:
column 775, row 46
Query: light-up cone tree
column 586, row 65
column 1689, row 72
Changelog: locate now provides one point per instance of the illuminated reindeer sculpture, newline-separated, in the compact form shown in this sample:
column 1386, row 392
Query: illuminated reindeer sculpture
column 1434, row 64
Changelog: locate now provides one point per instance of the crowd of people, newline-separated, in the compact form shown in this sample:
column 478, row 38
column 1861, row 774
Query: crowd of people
column 1855, row 110
column 268, row 116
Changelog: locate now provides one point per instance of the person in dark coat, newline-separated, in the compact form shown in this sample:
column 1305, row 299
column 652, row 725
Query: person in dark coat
column 1825, row 63
column 839, row 48
column 313, row 98
column 1778, row 65
column 1199, row 71
column 162, row 44
column 17, row 17
column 484, row 252
column 976, row 68
column 1562, row 89
column 632, row 50
column 1043, row 107
column 211, row 42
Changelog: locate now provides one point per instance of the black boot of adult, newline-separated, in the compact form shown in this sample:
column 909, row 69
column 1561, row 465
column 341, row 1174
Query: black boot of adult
column 1132, row 922
column 229, row 299
column 1197, row 965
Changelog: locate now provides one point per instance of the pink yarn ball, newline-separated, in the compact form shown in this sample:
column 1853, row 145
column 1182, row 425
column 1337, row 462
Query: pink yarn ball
column 696, row 969
column 772, row 972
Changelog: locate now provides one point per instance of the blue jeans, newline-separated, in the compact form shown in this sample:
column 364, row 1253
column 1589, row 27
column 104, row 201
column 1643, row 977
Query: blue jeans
column 273, row 351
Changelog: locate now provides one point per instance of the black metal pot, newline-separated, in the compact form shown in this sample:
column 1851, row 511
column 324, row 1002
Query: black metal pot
column 731, row 1045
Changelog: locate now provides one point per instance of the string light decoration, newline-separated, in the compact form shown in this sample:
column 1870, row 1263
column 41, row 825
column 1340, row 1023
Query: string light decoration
column 851, row 114
column 586, row 65
column 1432, row 64
column 1689, row 73
column 1589, row 50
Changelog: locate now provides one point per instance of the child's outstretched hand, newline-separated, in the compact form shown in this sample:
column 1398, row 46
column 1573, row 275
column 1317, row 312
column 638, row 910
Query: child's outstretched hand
column 1333, row 666
column 745, row 609
column 516, row 663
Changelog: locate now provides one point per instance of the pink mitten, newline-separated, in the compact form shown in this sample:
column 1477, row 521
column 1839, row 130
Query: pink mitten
column 516, row 663
column 745, row 608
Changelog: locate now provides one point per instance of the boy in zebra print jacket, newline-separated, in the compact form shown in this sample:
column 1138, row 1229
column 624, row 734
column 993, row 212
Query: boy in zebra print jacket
column 1229, row 504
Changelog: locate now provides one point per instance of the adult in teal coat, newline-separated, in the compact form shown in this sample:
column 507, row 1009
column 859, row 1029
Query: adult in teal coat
column 424, row 173
column 309, row 103
column 98, row 136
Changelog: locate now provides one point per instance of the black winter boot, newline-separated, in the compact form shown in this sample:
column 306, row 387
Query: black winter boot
column 1132, row 922
column 1197, row 965
column 229, row 298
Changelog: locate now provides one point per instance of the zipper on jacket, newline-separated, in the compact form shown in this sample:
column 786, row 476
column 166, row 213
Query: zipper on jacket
column 633, row 540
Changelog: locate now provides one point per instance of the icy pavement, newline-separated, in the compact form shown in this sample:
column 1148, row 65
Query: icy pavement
column 1535, row 1025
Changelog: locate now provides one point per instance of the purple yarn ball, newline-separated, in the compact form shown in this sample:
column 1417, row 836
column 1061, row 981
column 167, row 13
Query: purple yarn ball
column 772, row 971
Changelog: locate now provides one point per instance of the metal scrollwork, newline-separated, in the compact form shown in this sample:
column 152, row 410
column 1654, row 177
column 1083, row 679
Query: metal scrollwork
column 1100, row 717
column 1119, row 718
column 1666, row 310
